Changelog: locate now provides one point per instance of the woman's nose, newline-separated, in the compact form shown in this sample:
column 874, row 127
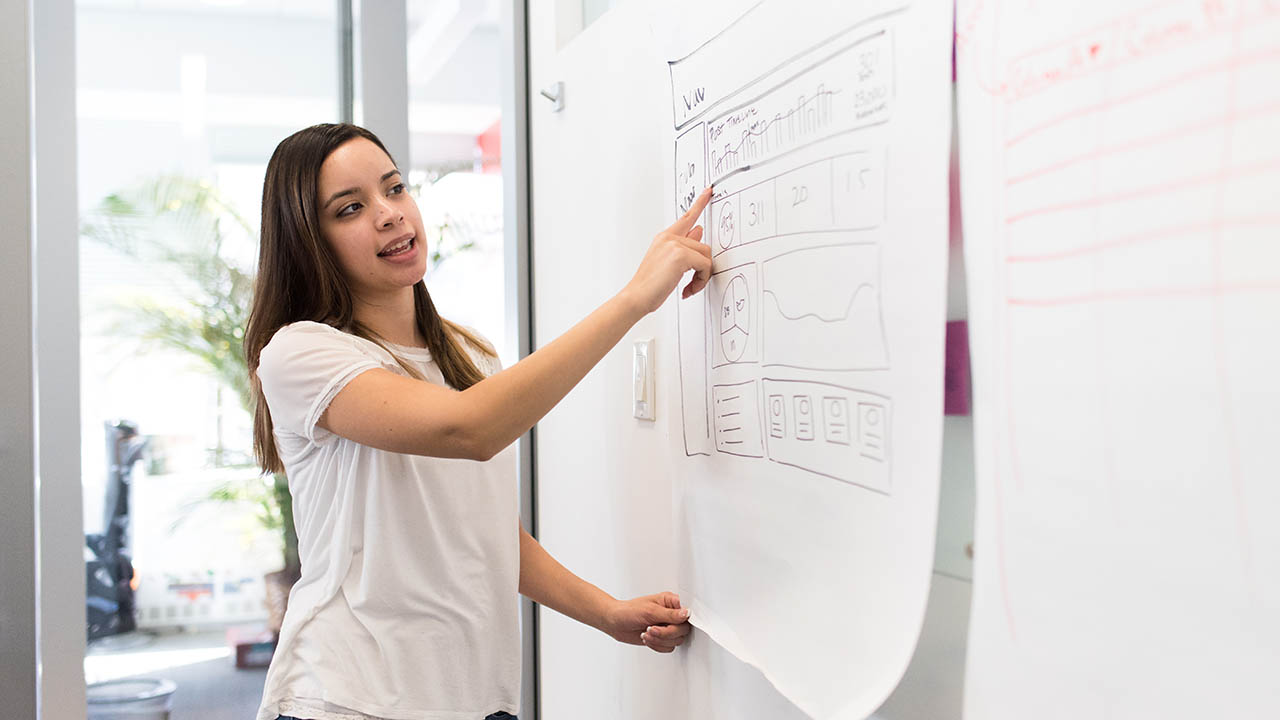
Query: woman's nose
column 388, row 215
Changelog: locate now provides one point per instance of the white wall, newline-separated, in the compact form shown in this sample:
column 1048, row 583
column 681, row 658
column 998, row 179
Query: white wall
column 604, row 489
column 42, row 593
column 17, row 400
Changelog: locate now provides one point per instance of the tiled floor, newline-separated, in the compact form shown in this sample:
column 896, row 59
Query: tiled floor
column 201, row 664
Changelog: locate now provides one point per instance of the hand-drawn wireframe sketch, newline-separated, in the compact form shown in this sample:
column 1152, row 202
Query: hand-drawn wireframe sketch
column 810, row 369
column 737, row 419
column 810, row 427
column 822, row 309
column 736, row 328
column 801, row 195
column 1120, row 166
column 725, row 230
column 735, row 318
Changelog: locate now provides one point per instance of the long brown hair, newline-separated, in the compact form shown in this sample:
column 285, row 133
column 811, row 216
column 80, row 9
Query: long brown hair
column 299, row 277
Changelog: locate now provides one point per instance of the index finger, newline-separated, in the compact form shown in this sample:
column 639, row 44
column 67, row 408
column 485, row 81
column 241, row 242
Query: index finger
column 690, row 218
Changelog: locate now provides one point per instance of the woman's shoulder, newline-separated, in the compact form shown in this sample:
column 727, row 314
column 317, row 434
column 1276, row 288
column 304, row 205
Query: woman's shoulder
column 309, row 336
column 306, row 332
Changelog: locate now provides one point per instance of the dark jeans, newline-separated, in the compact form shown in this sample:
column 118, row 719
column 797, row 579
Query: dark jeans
column 495, row 716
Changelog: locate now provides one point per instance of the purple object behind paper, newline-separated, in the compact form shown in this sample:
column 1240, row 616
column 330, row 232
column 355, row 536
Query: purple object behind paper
column 956, row 381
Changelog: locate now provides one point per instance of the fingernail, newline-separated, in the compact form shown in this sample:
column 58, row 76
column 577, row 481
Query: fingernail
column 684, row 613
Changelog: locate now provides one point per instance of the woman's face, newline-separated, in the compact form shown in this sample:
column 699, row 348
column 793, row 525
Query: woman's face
column 370, row 221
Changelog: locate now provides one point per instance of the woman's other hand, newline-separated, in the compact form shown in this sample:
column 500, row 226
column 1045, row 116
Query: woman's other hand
column 674, row 251
column 655, row 621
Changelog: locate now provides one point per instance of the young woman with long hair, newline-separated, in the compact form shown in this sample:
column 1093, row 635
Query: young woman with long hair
column 395, row 427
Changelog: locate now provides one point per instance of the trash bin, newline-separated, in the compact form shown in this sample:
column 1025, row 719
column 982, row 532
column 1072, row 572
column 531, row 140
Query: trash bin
column 143, row 699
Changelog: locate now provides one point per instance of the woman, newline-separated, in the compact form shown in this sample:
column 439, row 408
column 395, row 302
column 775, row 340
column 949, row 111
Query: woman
column 395, row 427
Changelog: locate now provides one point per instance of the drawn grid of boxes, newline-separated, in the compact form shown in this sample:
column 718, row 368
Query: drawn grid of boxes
column 795, row 226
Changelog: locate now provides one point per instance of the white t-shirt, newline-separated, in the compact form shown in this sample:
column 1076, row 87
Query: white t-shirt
column 407, row 608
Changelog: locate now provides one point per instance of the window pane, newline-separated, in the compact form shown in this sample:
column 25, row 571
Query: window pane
column 456, row 161
column 180, row 105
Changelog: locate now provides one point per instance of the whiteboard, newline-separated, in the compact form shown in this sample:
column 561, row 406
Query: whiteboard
column 1120, row 166
column 810, row 371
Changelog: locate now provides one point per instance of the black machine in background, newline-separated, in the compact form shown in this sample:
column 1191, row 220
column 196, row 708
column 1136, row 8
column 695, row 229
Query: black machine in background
column 109, row 572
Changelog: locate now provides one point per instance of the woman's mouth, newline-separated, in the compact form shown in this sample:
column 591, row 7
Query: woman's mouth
column 399, row 248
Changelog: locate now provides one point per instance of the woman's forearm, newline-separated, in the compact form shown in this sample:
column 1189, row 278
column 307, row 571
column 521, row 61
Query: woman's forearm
column 547, row 582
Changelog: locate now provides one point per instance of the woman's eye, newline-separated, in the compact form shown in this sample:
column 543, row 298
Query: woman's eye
column 349, row 209
column 396, row 189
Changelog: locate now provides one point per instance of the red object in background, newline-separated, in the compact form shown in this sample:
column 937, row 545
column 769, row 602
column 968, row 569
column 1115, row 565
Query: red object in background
column 956, row 389
column 489, row 143
column 254, row 645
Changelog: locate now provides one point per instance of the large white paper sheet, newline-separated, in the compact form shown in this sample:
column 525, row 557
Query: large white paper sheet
column 810, row 371
column 1120, row 166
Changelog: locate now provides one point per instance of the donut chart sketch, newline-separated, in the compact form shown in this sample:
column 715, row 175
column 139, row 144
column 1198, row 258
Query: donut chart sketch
column 733, row 328
column 735, row 318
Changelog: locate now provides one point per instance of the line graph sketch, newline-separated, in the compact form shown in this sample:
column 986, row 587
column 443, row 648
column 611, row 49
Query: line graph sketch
column 822, row 309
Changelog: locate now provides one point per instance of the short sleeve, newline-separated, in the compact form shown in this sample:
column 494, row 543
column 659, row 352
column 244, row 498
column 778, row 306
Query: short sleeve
column 303, row 367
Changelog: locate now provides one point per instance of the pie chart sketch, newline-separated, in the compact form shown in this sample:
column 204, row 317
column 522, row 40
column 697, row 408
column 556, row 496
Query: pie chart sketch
column 735, row 319
column 726, row 226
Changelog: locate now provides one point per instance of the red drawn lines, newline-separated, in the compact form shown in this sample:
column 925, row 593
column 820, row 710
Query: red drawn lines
column 1141, row 192
column 1168, row 84
column 1072, row 40
column 1157, row 293
column 1119, row 148
column 1140, row 35
column 1149, row 236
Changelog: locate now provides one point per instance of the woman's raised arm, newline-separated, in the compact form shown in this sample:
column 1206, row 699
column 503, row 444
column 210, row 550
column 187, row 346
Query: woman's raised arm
column 387, row 411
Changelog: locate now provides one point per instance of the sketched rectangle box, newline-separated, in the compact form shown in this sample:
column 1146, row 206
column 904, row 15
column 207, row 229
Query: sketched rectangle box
column 829, row 430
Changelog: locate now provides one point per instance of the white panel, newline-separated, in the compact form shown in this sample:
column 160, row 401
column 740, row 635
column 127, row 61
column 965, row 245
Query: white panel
column 62, row 579
column 605, row 478
column 819, row 357
column 604, row 481
column 1119, row 179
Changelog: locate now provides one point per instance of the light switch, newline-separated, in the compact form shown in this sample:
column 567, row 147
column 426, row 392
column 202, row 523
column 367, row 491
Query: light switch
column 642, row 390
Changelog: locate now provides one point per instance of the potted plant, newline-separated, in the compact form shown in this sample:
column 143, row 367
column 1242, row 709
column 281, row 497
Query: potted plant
column 184, row 225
